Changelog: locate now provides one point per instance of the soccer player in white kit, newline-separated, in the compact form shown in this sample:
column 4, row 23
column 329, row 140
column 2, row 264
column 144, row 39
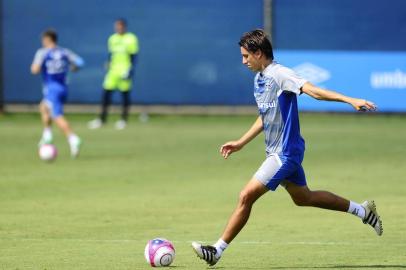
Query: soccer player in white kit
column 276, row 89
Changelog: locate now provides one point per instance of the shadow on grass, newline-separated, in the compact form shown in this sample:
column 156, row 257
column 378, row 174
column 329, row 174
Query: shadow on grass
column 373, row 266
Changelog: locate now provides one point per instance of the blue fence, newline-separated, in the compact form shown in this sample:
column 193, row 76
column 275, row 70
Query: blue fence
column 359, row 25
column 189, row 52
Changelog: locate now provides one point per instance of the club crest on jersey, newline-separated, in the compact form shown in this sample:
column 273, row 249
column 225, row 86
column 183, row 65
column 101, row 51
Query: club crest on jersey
column 262, row 85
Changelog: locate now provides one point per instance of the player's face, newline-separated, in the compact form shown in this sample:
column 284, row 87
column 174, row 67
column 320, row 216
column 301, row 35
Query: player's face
column 251, row 60
column 46, row 42
column 119, row 27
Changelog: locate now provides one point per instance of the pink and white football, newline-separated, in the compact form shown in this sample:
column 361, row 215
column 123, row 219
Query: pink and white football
column 48, row 152
column 159, row 252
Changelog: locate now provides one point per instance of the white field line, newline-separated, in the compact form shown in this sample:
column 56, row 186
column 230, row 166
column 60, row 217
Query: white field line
column 314, row 243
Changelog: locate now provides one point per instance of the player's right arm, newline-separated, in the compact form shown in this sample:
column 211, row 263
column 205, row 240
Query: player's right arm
column 37, row 62
column 110, row 52
column 233, row 146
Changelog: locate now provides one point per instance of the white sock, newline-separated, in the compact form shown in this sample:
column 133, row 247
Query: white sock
column 73, row 138
column 220, row 246
column 356, row 209
column 47, row 134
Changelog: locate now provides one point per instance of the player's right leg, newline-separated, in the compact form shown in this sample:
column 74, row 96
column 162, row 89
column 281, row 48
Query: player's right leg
column 250, row 193
column 124, row 87
column 110, row 83
column 46, row 119
column 102, row 119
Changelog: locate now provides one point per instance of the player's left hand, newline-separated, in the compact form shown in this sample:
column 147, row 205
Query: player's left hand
column 363, row 105
column 127, row 75
column 74, row 68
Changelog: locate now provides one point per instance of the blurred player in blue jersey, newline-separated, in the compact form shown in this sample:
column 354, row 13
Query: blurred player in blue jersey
column 276, row 89
column 54, row 63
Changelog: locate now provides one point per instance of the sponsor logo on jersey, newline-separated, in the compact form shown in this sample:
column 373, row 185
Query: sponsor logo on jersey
column 264, row 106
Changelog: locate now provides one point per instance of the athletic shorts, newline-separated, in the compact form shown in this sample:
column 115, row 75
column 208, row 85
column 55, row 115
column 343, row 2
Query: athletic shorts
column 275, row 169
column 114, row 81
column 54, row 97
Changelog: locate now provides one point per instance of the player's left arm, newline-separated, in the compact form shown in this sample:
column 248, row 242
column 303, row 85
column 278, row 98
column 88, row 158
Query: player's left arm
column 324, row 94
column 133, row 59
column 133, row 50
column 75, row 60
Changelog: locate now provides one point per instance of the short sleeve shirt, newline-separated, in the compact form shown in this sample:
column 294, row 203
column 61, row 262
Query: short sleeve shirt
column 55, row 63
column 121, row 47
column 276, row 89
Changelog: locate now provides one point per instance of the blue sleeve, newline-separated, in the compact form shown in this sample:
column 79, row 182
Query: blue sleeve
column 133, row 58
column 75, row 59
column 39, row 57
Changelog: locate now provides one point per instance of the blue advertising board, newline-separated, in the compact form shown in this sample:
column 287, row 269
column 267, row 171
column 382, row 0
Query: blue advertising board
column 189, row 52
column 376, row 76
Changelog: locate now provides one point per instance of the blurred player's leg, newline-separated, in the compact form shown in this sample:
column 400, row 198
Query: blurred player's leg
column 106, row 101
column 109, row 84
column 105, row 105
column 122, row 123
column 46, row 119
column 73, row 140
column 56, row 99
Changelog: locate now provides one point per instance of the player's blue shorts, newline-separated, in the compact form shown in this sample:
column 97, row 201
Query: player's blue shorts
column 276, row 169
column 54, row 97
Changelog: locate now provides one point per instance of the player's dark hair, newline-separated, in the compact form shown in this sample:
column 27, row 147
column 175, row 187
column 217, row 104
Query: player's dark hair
column 52, row 34
column 257, row 40
column 123, row 21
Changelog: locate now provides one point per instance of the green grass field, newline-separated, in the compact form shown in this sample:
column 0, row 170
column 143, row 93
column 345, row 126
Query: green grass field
column 165, row 178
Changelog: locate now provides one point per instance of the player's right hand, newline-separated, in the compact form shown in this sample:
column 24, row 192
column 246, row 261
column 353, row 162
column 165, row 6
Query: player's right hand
column 230, row 147
column 363, row 105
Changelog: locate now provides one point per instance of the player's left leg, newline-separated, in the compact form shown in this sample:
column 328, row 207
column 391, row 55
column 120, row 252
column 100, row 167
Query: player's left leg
column 73, row 139
column 303, row 196
column 248, row 196
column 125, row 88
column 63, row 124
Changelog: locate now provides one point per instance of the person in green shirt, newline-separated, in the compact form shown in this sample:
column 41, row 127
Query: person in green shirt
column 123, row 49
